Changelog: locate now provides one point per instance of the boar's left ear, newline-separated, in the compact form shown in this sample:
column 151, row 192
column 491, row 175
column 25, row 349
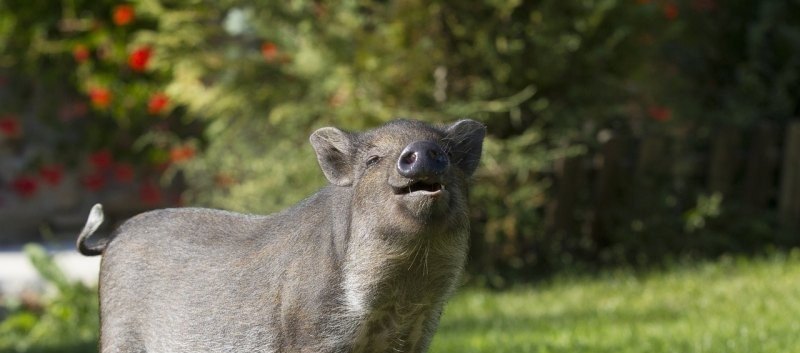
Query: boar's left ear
column 334, row 149
column 465, row 144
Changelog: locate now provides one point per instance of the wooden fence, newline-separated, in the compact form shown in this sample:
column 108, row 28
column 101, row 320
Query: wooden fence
column 758, row 168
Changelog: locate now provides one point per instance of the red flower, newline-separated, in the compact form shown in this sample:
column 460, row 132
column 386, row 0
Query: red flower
column 94, row 181
column 123, row 14
column 659, row 113
column 101, row 159
column 24, row 186
column 81, row 53
column 10, row 126
column 157, row 103
column 100, row 97
column 270, row 51
column 52, row 174
column 123, row 173
column 180, row 154
column 139, row 58
column 150, row 194
column 671, row 10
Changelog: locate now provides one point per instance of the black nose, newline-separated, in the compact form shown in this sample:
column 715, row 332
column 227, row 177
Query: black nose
column 422, row 160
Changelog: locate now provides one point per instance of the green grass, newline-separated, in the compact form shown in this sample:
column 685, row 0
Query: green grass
column 732, row 305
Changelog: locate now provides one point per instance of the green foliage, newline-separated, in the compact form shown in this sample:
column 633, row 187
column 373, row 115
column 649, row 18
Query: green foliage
column 535, row 73
column 734, row 62
column 66, row 321
column 707, row 207
column 247, row 82
column 769, row 75
column 509, row 237
column 80, row 79
column 269, row 72
column 546, row 77
column 734, row 304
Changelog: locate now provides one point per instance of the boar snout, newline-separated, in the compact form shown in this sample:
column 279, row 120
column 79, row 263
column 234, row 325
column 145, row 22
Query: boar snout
column 422, row 160
column 422, row 165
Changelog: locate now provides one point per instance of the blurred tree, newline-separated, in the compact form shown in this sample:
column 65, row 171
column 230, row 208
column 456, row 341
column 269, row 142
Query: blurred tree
column 538, row 74
column 82, row 102
column 224, row 93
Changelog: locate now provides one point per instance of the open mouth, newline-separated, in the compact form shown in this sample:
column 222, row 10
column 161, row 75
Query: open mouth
column 424, row 186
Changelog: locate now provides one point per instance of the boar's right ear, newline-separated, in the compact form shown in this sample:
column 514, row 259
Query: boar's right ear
column 334, row 149
column 466, row 143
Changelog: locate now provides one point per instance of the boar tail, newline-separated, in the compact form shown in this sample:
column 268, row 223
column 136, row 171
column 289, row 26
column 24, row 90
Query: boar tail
column 94, row 222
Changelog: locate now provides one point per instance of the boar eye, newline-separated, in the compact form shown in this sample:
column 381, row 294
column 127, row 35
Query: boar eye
column 372, row 160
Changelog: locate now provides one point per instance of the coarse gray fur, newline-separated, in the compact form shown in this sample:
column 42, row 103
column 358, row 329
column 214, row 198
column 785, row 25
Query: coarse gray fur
column 363, row 265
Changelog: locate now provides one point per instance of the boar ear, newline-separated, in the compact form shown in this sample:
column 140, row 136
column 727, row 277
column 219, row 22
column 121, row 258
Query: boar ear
column 334, row 148
column 466, row 144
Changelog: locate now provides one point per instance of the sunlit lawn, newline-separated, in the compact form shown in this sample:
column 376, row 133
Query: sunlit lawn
column 728, row 306
column 732, row 305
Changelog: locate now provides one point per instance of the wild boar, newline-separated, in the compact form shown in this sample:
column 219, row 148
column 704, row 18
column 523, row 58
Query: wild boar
column 363, row 265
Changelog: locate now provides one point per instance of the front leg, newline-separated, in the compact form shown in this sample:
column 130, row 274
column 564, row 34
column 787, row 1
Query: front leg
column 421, row 333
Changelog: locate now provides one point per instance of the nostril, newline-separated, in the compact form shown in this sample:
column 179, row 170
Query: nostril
column 410, row 157
column 421, row 160
column 436, row 155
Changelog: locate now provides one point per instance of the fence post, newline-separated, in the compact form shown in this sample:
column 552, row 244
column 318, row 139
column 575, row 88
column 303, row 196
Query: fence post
column 724, row 160
column 653, row 162
column 569, row 182
column 762, row 161
column 789, row 203
column 612, row 182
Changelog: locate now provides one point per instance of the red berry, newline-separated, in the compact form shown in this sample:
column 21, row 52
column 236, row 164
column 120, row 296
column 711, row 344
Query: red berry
column 81, row 53
column 101, row 159
column 157, row 103
column 100, row 97
column 181, row 154
column 94, row 181
column 123, row 14
column 139, row 58
column 52, row 174
column 270, row 51
column 659, row 113
column 123, row 173
column 24, row 186
column 10, row 126
column 671, row 10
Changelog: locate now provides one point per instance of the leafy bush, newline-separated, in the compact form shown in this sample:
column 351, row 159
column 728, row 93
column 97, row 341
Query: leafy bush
column 83, row 91
column 246, row 83
column 65, row 320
